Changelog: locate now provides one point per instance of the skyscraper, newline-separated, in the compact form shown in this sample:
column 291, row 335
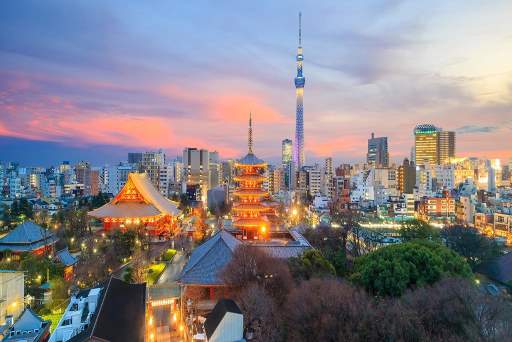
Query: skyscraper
column 196, row 173
column 286, row 151
column 298, row 151
column 426, row 144
column 151, row 163
column 446, row 147
column 286, row 161
column 433, row 145
column 378, row 154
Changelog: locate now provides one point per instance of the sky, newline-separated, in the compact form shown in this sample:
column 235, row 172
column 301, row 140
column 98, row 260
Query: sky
column 92, row 80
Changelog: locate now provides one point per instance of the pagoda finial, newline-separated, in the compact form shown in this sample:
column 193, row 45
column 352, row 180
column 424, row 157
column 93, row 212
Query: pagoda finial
column 250, row 132
column 300, row 28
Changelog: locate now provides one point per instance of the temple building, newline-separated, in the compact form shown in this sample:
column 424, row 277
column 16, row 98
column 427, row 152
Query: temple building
column 139, row 204
column 27, row 237
column 248, row 209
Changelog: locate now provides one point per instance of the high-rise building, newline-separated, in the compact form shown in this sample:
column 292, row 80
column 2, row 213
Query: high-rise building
column 328, row 178
column 83, row 176
column 151, row 163
column 196, row 173
column 286, row 151
column 433, row 145
column 134, row 157
column 426, row 144
column 378, row 154
column 446, row 146
column 215, row 170
column 286, row 161
column 406, row 177
column 298, row 151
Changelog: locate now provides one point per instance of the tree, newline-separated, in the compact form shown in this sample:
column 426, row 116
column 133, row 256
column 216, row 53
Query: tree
column 456, row 310
column 249, row 265
column 390, row 270
column 417, row 229
column 347, row 219
column 311, row 264
column 99, row 200
column 468, row 242
column 138, row 267
column 329, row 310
column 329, row 241
column 262, row 318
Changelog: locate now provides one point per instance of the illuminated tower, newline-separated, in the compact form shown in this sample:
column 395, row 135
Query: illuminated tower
column 248, row 211
column 298, row 149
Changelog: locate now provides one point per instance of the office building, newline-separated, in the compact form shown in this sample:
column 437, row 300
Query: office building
column 287, row 163
column 433, row 145
column 426, row 144
column 378, row 155
column 151, row 163
column 406, row 177
column 446, row 147
column 196, row 173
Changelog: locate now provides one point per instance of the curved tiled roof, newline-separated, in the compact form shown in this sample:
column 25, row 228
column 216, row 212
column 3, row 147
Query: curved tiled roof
column 125, row 209
column 27, row 236
column 209, row 259
column 65, row 257
column 251, row 159
column 155, row 202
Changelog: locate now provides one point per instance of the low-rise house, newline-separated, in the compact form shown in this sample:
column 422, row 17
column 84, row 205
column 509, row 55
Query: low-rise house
column 437, row 209
column 28, row 328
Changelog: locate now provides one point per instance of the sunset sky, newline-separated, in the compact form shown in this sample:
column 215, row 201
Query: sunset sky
column 93, row 80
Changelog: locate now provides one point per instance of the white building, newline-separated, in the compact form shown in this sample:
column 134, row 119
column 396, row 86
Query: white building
column 77, row 316
column 12, row 293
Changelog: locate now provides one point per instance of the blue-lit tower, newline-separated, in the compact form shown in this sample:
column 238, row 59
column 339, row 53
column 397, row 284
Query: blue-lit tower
column 298, row 148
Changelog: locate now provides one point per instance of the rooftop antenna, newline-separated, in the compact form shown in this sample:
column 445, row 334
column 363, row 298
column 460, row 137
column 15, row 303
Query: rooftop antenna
column 300, row 28
column 250, row 132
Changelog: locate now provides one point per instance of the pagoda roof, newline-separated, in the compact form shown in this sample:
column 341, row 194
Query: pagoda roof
column 250, row 222
column 250, row 192
column 249, row 206
column 251, row 159
column 250, row 177
column 153, row 202
column 26, row 237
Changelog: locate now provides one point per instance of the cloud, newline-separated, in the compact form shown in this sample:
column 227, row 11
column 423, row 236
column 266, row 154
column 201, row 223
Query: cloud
column 476, row 129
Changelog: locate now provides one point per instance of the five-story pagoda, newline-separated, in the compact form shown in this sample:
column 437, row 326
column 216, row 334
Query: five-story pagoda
column 248, row 210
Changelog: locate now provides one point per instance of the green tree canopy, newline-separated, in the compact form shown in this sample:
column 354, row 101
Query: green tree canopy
column 416, row 230
column 390, row 270
column 311, row 264
column 469, row 243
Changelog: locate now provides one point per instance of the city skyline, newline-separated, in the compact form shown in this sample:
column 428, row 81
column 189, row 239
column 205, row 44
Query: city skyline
column 128, row 83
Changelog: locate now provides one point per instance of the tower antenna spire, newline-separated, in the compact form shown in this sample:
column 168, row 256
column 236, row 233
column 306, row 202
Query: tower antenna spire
column 300, row 28
column 250, row 132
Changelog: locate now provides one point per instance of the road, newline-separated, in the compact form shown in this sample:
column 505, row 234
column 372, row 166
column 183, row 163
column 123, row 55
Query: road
column 167, row 286
column 173, row 270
